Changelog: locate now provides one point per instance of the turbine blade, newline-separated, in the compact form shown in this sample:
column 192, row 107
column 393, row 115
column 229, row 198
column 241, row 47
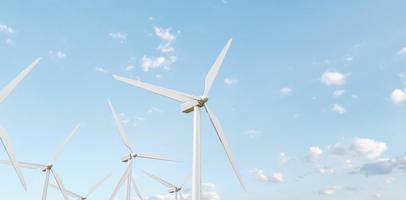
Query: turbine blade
column 13, row 84
column 172, row 94
column 24, row 164
column 226, row 145
column 155, row 157
column 60, row 149
column 46, row 183
column 10, row 152
column 176, row 195
column 96, row 186
column 122, row 180
column 137, row 191
column 119, row 126
column 211, row 76
column 69, row 193
column 60, row 184
column 160, row 180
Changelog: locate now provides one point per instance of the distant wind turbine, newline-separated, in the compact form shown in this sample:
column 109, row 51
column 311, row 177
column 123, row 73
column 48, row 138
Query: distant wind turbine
column 48, row 168
column 192, row 103
column 129, row 158
column 173, row 189
column 4, row 138
column 90, row 192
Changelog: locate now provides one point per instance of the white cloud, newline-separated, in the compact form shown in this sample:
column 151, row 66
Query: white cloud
column 149, row 63
column 326, row 170
column 6, row 29
column 402, row 52
column 333, row 78
column 100, row 69
column 120, row 36
column 338, row 109
column 164, row 34
column 283, row 157
column 398, row 96
column 314, row 154
column 278, row 177
column 230, row 81
column 285, row 91
column 336, row 149
column 338, row 93
column 260, row 175
column 348, row 58
column 328, row 190
column 368, row 148
column 10, row 42
column 129, row 67
column 167, row 38
column 253, row 133
column 166, row 47
column 60, row 55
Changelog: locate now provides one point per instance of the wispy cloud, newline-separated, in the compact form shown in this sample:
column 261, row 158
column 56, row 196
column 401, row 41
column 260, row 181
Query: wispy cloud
column 314, row 154
column 285, row 91
column 149, row 63
column 401, row 52
column 230, row 81
column 260, row 176
column 328, row 190
column 101, row 70
column 167, row 38
column 338, row 93
column 333, row 78
column 338, row 109
column 253, row 133
column 120, row 36
column 58, row 54
column 6, row 29
column 398, row 96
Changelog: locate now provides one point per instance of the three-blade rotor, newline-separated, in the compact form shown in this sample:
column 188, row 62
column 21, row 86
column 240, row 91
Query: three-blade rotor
column 196, row 101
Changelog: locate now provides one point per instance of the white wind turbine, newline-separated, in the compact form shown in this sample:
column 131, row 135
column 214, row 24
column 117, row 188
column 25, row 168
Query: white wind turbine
column 129, row 158
column 173, row 189
column 48, row 168
column 4, row 138
column 195, row 103
column 90, row 192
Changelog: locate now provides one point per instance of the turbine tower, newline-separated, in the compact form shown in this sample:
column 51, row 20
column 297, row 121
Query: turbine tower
column 173, row 189
column 192, row 103
column 4, row 138
column 49, row 168
column 129, row 159
column 90, row 192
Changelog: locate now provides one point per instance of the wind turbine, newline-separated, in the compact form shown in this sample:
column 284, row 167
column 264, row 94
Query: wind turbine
column 173, row 189
column 192, row 103
column 90, row 192
column 48, row 168
column 129, row 158
column 4, row 138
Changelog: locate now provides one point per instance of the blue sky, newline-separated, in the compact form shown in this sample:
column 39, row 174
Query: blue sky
column 311, row 94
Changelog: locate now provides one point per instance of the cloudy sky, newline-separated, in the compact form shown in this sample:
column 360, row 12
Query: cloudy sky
column 312, row 94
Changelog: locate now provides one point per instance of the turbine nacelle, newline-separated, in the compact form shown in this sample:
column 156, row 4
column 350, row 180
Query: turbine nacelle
column 189, row 106
column 174, row 190
column 48, row 167
column 128, row 157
